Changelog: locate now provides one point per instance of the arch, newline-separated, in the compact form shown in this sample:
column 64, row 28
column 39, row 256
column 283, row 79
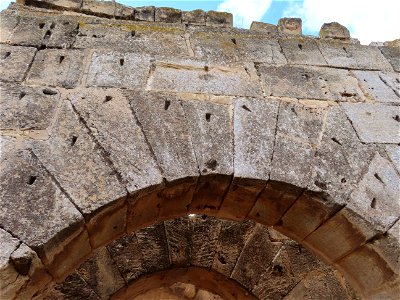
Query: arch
column 98, row 141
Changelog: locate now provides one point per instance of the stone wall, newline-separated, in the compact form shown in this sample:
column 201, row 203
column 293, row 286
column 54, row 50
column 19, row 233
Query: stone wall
column 115, row 118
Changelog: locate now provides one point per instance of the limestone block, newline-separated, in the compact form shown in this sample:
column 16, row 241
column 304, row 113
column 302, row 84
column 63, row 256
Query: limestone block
column 204, row 240
column 179, row 236
column 258, row 253
column 145, row 13
column 290, row 25
column 340, row 235
column 259, row 49
column 138, row 38
column 306, row 214
column 55, row 67
column 194, row 77
column 273, row 202
column 8, row 21
column 392, row 54
column 154, row 247
column 101, row 8
column 212, row 139
column 61, row 32
column 380, row 86
column 127, row 255
column 232, row 238
column 168, row 15
column 300, row 51
column 352, row 56
column 393, row 152
column 11, row 281
column 124, row 12
column 376, row 197
column 374, row 123
column 194, row 17
column 334, row 30
column 310, row 83
column 29, row 32
column 57, row 4
column 25, row 107
column 108, row 115
column 341, row 158
column 46, row 221
column 114, row 69
column 264, row 27
column 14, row 62
column 219, row 19
column 101, row 274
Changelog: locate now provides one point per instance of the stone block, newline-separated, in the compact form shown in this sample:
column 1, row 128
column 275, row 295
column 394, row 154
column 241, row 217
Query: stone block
column 179, row 237
column 55, row 67
column 309, row 83
column 15, row 62
column 334, row 30
column 290, row 25
column 154, row 247
column 115, row 69
column 393, row 152
column 194, row 17
column 145, row 13
column 61, row 32
column 232, row 238
column 352, row 56
column 195, row 77
column 273, row 202
column 259, row 49
column 219, row 19
column 101, row 8
column 54, row 223
column 28, row 32
column 379, row 86
column 340, row 235
column 374, row 123
column 392, row 54
column 302, row 51
column 8, row 21
column 306, row 214
column 168, row 15
column 124, row 12
column 264, row 28
column 25, row 107
column 108, row 115
column 56, row 4
column 376, row 197
column 127, row 255
column 205, row 239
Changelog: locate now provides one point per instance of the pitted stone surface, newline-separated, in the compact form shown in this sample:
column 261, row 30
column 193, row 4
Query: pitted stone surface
column 302, row 52
column 14, row 62
column 259, row 49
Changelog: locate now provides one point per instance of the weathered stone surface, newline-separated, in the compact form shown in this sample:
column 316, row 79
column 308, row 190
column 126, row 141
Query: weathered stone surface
column 194, row 17
column 104, row 8
column 290, row 25
column 153, row 244
column 204, row 240
column 310, row 83
column 63, row 4
column 256, row 255
column 219, row 19
column 353, row 56
column 259, row 49
column 124, row 12
column 380, row 86
column 101, row 274
column 127, row 255
column 302, row 52
column 107, row 113
column 375, row 123
column 168, row 15
column 145, row 13
column 14, row 62
column 392, row 54
column 25, row 107
column 264, row 27
column 54, row 67
column 8, row 21
column 232, row 238
column 377, row 194
column 196, row 77
column 115, row 69
column 334, row 30
column 179, row 236
column 393, row 152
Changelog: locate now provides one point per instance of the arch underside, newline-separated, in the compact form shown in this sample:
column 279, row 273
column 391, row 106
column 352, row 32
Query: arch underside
column 103, row 135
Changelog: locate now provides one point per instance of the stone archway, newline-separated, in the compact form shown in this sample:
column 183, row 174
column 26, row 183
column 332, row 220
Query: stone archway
column 109, row 126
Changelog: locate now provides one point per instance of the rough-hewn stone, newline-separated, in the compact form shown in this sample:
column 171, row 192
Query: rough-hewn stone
column 194, row 17
column 264, row 27
column 290, row 25
column 168, row 15
column 15, row 62
column 179, row 236
column 334, row 30
column 302, row 52
column 219, row 19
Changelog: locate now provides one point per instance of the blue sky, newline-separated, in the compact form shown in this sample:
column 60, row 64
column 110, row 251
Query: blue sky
column 367, row 20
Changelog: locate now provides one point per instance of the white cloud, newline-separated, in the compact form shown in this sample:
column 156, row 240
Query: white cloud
column 367, row 20
column 245, row 11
